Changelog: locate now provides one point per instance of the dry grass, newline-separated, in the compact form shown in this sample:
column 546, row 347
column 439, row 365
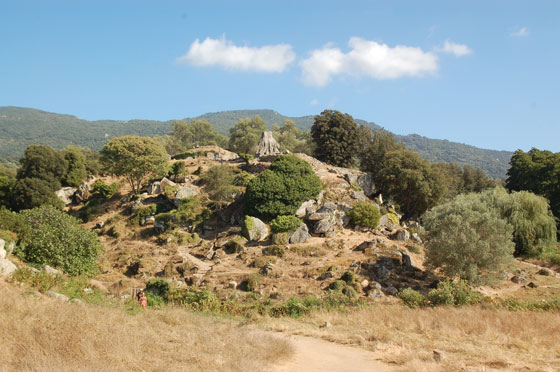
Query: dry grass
column 473, row 338
column 41, row 334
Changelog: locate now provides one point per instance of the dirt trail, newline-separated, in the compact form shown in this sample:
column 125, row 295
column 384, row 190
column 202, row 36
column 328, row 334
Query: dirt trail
column 314, row 355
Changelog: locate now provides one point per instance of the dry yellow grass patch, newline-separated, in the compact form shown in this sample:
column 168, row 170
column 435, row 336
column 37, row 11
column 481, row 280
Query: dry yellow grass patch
column 472, row 338
column 41, row 334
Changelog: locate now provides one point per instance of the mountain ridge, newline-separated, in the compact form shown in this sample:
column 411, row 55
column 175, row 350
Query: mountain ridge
column 21, row 127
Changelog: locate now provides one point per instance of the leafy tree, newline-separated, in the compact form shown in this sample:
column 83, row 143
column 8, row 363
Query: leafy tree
column 451, row 176
column 373, row 155
column 537, row 171
column 76, row 170
column 410, row 181
column 365, row 214
column 219, row 182
column 245, row 135
column 282, row 188
column 194, row 133
column 33, row 192
column 134, row 158
column 293, row 139
column 529, row 214
column 178, row 169
column 44, row 163
column 7, row 182
column 57, row 239
column 336, row 138
column 475, row 180
column 467, row 239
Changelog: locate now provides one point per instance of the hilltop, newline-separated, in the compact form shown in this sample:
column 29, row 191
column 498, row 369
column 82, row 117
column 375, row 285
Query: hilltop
column 21, row 127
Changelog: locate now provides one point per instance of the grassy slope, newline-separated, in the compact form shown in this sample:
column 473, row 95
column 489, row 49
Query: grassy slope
column 21, row 127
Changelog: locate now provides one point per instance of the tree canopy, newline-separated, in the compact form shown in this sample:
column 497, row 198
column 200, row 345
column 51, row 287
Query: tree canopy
column 134, row 158
column 245, row 135
column 194, row 133
column 336, row 138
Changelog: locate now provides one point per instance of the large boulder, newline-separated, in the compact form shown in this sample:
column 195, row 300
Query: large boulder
column 307, row 208
column 82, row 193
column 255, row 230
column 166, row 183
column 300, row 235
column 185, row 192
column 6, row 266
column 402, row 235
column 267, row 145
column 65, row 194
column 366, row 183
column 386, row 222
column 154, row 188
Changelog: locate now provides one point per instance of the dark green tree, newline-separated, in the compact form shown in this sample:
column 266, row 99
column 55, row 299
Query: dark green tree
column 374, row 153
column 76, row 166
column 42, row 162
column 194, row 133
column 282, row 188
column 292, row 138
column 33, row 192
column 336, row 138
column 219, row 183
column 7, row 182
column 245, row 135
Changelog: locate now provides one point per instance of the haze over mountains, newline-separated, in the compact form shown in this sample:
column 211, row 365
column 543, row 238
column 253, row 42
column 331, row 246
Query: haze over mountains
column 21, row 127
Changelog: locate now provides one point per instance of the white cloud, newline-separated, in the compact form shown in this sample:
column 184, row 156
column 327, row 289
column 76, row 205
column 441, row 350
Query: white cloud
column 314, row 102
column 522, row 32
column 366, row 58
column 459, row 50
column 223, row 53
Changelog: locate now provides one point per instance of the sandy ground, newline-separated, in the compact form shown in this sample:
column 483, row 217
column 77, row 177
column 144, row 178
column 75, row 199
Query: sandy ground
column 314, row 355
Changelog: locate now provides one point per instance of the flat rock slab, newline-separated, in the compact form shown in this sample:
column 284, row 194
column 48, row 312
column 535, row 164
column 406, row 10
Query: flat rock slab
column 315, row 355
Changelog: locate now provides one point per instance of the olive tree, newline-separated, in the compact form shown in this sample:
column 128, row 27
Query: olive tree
column 134, row 158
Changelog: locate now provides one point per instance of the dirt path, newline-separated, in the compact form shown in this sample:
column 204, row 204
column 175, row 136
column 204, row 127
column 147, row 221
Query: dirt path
column 314, row 355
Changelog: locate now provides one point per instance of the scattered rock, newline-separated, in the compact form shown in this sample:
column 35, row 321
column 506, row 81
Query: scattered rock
column 438, row 355
column 416, row 238
column 366, row 183
column 58, row 296
column 391, row 290
column 520, row 277
column 51, row 270
column 306, row 208
column 154, row 188
column 82, row 193
column 185, row 192
column 386, row 223
column 402, row 235
column 326, row 275
column 65, row 194
column 407, row 261
column 531, row 285
column 300, row 235
column 37, row 294
column 255, row 230
column 364, row 283
column 365, row 245
column 164, row 183
column 376, row 293
column 232, row 284
column 325, row 325
column 78, row 302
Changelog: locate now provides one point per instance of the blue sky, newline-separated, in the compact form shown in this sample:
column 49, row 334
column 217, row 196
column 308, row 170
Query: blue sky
column 486, row 73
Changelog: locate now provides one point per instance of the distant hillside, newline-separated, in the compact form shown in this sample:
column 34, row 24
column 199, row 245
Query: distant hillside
column 21, row 127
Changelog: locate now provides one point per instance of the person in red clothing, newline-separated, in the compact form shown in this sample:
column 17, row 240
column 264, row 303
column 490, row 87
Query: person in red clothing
column 143, row 300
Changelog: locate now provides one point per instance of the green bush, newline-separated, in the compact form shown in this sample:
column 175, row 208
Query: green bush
column 103, row 190
column 57, row 239
column 337, row 285
column 411, row 298
column 158, row 287
column 453, row 293
column 274, row 250
column 348, row 277
column 284, row 223
column 252, row 282
column 365, row 214
column 233, row 246
column 243, row 179
column 281, row 238
column 281, row 189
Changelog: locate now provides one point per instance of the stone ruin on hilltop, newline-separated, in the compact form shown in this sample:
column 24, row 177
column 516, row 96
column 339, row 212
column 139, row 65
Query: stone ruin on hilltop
column 267, row 146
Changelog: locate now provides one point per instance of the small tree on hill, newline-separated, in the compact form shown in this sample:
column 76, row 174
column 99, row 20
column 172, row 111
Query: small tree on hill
column 336, row 138
column 42, row 162
column 467, row 239
column 134, row 158
column 76, row 169
column 245, row 135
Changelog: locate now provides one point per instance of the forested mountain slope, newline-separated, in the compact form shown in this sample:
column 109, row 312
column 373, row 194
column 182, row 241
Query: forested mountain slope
column 21, row 127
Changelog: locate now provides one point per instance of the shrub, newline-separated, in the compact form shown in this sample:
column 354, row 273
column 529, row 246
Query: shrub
column 281, row 238
column 337, row 285
column 251, row 283
column 411, row 298
column 233, row 246
column 393, row 218
column 285, row 223
column 453, row 293
column 243, row 179
column 103, row 190
column 274, row 250
column 57, row 239
column 158, row 287
column 365, row 214
column 467, row 239
column 261, row 262
column 348, row 277
column 281, row 189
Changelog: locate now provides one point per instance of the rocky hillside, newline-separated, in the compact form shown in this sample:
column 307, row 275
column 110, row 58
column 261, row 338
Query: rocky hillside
column 21, row 127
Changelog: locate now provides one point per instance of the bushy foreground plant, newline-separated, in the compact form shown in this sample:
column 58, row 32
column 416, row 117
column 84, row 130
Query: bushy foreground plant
column 457, row 293
column 57, row 239
column 365, row 214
